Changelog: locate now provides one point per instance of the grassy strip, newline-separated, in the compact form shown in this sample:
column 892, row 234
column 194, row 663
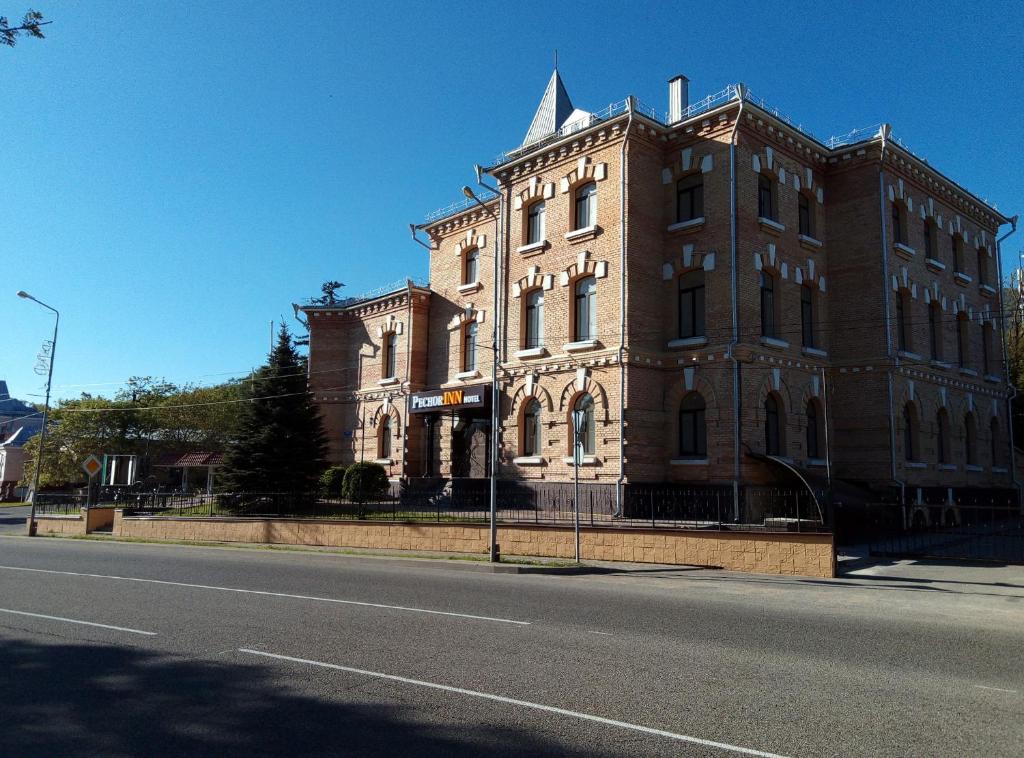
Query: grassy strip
column 13, row 504
column 314, row 549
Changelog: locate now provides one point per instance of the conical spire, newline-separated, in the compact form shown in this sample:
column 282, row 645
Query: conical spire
column 554, row 110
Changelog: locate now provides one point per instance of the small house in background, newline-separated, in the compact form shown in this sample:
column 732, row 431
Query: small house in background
column 188, row 471
column 19, row 422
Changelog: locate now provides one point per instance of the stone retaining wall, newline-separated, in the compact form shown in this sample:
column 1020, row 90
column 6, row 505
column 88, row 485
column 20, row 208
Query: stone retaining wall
column 760, row 552
column 84, row 522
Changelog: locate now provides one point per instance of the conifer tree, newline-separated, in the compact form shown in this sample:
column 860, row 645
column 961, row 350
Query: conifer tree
column 280, row 442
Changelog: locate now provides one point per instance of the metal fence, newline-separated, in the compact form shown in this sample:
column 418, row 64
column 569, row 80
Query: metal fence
column 60, row 503
column 759, row 509
column 983, row 531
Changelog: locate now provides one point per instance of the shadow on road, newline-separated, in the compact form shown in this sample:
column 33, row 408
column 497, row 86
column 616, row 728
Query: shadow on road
column 86, row 699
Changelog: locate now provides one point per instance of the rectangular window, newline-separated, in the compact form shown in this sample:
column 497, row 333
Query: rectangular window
column 765, row 198
column 535, row 223
column 472, row 272
column 807, row 315
column 690, row 198
column 933, row 331
column 767, row 305
column 390, row 351
column 691, row 305
column 806, row 227
column 586, row 312
column 901, row 323
column 929, row 245
column 897, row 224
column 586, row 206
column 692, row 434
column 469, row 348
column 534, row 319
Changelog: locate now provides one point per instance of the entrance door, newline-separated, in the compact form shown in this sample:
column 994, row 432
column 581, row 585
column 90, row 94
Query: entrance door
column 432, row 457
column 469, row 449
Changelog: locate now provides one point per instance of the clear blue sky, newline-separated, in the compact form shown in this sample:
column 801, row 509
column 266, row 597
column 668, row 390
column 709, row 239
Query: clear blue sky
column 176, row 174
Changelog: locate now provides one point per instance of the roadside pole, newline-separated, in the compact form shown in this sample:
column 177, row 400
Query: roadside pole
column 579, row 423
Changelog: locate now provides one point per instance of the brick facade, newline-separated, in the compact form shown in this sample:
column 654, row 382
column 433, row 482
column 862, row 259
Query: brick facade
column 778, row 207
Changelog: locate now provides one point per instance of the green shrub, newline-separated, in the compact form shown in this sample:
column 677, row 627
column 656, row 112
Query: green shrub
column 332, row 481
column 365, row 481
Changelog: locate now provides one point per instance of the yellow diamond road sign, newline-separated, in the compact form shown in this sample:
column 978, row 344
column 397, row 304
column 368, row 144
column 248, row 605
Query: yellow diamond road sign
column 91, row 465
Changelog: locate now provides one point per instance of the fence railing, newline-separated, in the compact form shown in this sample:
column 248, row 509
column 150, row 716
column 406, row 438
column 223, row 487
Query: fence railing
column 759, row 509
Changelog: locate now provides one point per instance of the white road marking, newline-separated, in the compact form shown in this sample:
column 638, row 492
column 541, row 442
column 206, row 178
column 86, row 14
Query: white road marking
column 273, row 594
column 521, row 703
column 76, row 621
column 591, row 631
column 995, row 689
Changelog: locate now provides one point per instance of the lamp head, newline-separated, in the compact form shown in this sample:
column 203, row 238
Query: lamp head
column 468, row 193
column 22, row 293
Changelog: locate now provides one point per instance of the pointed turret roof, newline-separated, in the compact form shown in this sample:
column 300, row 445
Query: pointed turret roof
column 554, row 110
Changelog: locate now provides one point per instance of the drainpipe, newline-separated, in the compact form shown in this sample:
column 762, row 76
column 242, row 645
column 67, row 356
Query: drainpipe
column 893, row 359
column 1006, row 355
column 623, row 174
column 741, row 91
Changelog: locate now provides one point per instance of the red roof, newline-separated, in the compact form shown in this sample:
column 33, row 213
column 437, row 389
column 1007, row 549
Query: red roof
column 191, row 460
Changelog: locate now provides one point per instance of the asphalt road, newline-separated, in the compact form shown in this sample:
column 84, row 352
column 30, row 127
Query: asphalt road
column 223, row 652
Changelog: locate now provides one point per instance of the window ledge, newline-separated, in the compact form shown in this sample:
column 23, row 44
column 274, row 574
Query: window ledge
column 688, row 462
column 773, row 342
column 384, row 461
column 934, row 265
column 968, row 372
column 770, row 225
column 974, row 468
column 580, row 234
column 914, row 464
column 946, row 467
column 903, row 251
column 588, row 460
column 687, row 342
column 531, row 352
column 579, row 346
column 463, row 376
column 940, row 364
column 999, row 470
column 993, row 378
column 693, row 223
column 808, row 241
column 814, row 352
column 821, row 462
column 471, row 287
column 388, row 381
column 987, row 289
column 961, row 278
column 533, row 247
column 528, row 460
column 908, row 355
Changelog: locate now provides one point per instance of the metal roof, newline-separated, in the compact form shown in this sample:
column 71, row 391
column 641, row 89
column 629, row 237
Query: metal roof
column 554, row 110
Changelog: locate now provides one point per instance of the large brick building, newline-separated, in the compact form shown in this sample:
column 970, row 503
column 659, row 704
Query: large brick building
column 730, row 300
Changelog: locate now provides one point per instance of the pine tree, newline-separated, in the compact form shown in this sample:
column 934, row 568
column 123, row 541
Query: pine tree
column 280, row 443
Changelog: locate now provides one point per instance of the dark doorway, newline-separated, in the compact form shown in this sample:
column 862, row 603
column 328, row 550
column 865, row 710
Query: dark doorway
column 469, row 449
column 432, row 443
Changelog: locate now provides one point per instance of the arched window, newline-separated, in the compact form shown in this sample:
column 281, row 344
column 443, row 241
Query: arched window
column 469, row 347
column 814, row 431
column 993, row 436
column 585, row 404
column 691, row 304
column 935, row 330
column 766, row 197
column 384, row 439
column 903, row 332
column 585, row 311
column 533, row 332
column 958, row 252
column 807, row 315
column 772, row 426
column 982, row 266
column 899, row 235
column 909, row 433
column 929, row 239
column 471, row 267
column 390, row 354
column 690, row 197
column 531, row 443
column 805, row 215
column 586, row 206
column 963, row 340
column 767, row 304
column 942, row 436
column 970, row 440
column 535, row 223
column 692, row 428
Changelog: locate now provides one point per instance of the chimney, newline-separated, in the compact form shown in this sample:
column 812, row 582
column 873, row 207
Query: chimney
column 678, row 94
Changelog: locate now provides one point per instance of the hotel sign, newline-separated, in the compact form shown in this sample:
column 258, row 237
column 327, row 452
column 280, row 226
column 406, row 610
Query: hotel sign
column 441, row 400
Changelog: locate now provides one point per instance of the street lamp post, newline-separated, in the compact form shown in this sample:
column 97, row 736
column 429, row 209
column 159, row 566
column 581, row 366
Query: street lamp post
column 579, row 428
column 494, row 369
column 46, row 413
